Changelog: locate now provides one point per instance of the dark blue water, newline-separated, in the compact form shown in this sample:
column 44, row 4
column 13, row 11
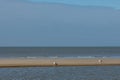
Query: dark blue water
column 60, row 73
column 60, row 52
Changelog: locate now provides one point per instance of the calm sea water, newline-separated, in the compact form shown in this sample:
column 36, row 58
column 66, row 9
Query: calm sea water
column 61, row 73
column 60, row 52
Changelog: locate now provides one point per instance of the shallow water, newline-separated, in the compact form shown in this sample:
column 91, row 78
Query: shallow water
column 61, row 73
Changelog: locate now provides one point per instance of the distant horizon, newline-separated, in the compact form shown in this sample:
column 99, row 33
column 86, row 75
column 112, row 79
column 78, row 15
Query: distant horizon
column 59, row 46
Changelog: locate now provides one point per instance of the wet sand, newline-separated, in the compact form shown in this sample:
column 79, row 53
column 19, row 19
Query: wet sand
column 50, row 62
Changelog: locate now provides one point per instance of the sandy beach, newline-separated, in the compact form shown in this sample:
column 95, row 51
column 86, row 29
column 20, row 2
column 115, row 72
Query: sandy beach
column 49, row 62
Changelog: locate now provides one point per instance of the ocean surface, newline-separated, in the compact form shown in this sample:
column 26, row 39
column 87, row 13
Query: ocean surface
column 60, row 73
column 12, row 52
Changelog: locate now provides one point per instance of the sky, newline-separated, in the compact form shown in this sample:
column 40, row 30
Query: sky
column 71, row 23
column 107, row 3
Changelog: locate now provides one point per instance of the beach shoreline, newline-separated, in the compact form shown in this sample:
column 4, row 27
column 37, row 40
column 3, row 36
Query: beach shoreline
column 51, row 62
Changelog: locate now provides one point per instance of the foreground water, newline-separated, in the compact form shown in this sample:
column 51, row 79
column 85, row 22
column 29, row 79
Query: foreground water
column 61, row 73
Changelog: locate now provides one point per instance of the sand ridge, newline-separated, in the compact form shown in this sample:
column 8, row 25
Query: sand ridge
column 50, row 62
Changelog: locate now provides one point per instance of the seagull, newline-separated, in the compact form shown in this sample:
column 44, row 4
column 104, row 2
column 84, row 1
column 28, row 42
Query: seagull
column 100, row 61
column 54, row 63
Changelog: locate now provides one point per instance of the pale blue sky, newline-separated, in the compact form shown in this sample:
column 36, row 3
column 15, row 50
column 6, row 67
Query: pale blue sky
column 107, row 3
column 25, row 23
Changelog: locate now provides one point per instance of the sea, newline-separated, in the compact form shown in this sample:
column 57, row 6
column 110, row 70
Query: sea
column 61, row 73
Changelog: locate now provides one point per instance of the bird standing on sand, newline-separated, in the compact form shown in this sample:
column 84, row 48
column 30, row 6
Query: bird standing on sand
column 54, row 63
column 100, row 61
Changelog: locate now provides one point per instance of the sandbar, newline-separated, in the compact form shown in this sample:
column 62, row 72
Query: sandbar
column 56, row 62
